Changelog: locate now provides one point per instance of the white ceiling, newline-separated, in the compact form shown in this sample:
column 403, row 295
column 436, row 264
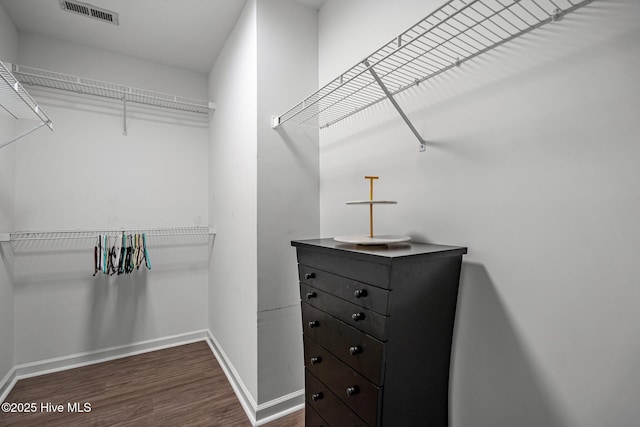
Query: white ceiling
column 183, row 33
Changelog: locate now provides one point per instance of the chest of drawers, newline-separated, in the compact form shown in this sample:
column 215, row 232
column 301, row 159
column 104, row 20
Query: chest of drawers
column 378, row 327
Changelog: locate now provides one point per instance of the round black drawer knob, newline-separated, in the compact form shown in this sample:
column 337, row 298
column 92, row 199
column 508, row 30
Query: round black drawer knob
column 352, row 390
column 310, row 276
column 315, row 360
column 356, row 349
column 360, row 293
column 317, row 396
column 314, row 324
column 357, row 316
column 311, row 295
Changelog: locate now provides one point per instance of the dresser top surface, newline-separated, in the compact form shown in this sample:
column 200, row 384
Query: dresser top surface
column 392, row 251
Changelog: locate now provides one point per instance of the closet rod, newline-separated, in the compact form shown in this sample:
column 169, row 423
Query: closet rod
column 91, row 234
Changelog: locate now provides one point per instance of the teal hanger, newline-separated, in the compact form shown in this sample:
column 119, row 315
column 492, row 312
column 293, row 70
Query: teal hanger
column 146, row 253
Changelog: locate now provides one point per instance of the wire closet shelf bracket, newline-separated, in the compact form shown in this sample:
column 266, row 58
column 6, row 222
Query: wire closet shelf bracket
column 454, row 33
column 16, row 103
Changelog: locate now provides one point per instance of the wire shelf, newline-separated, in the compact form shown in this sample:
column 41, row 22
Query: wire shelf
column 15, row 102
column 66, row 82
column 454, row 33
column 91, row 234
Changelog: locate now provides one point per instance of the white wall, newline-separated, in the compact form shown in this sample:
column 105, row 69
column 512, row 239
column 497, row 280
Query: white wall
column 232, row 200
column 263, row 193
column 532, row 164
column 87, row 175
column 8, row 37
column 288, row 189
column 8, row 52
column 70, row 58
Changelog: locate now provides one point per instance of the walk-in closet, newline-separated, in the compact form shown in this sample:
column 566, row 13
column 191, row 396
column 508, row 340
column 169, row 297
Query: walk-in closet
column 292, row 213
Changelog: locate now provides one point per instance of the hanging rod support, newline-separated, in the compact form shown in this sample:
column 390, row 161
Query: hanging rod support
column 423, row 144
column 124, row 115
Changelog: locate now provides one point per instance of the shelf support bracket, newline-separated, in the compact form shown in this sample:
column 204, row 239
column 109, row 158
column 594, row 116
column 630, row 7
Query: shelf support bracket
column 14, row 139
column 423, row 144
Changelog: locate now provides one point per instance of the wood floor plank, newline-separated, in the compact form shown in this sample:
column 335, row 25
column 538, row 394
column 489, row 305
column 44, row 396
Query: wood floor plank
column 179, row 386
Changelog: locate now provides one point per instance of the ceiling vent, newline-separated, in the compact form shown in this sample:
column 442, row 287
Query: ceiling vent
column 90, row 11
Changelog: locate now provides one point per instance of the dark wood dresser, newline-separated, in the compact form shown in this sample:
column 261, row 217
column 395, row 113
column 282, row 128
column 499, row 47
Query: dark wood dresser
column 378, row 326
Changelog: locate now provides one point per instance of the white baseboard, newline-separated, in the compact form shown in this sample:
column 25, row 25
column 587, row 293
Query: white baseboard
column 286, row 405
column 7, row 383
column 48, row 366
column 257, row 414
column 242, row 392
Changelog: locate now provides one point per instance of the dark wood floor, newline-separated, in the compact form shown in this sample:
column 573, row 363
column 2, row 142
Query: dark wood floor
column 179, row 386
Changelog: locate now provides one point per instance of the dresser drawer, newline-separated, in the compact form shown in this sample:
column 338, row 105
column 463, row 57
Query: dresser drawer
column 327, row 404
column 363, row 294
column 362, row 352
column 362, row 270
column 366, row 320
column 312, row 418
column 361, row 395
